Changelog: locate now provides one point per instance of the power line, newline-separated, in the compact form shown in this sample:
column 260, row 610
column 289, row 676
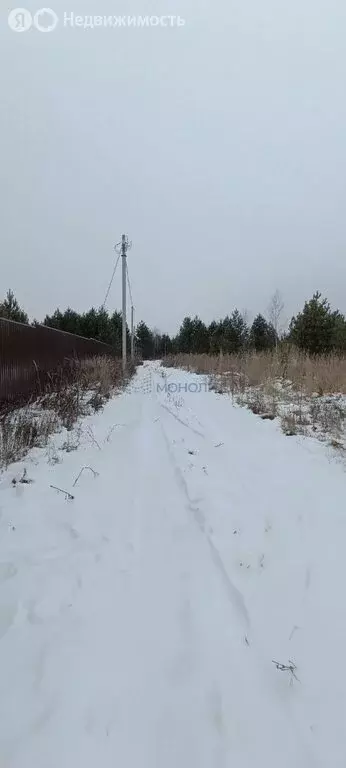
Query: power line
column 129, row 284
column 111, row 280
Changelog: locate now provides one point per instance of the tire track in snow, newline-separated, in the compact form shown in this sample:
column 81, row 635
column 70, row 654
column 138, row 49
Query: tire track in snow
column 258, row 676
column 234, row 595
column 184, row 423
column 258, row 658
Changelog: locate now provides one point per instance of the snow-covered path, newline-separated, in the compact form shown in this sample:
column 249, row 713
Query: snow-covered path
column 139, row 621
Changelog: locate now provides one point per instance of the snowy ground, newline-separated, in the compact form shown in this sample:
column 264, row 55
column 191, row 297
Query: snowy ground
column 139, row 620
column 312, row 415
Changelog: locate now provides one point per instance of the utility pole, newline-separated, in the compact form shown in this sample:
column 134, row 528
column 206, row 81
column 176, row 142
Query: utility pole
column 124, row 246
column 132, row 334
column 121, row 249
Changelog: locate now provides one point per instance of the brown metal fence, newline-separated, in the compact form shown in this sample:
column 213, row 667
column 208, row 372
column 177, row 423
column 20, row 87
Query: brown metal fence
column 31, row 356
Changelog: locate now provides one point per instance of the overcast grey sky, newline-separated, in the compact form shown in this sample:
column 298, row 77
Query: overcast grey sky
column 218, row 146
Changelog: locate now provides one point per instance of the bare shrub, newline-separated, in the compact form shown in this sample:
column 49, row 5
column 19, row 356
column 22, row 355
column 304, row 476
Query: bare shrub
column 67, row 404
column 337, row 445
column 96, row 401
column 289, row 424
column 171, row 361
column 216, row 385
column 70, row 445
column 255, row 401
column 329, row 414
column 22, row 430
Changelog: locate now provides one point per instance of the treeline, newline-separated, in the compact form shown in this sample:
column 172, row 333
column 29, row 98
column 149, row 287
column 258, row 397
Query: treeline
column 317, row 329
column 229, row 335
column 95, row 324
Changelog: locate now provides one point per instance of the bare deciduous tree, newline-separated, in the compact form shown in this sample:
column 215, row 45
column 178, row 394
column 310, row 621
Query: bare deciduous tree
column 275, row 310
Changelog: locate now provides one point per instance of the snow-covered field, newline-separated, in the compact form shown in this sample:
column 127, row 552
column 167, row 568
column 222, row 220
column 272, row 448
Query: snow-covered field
column 139, row 620
column 299, row 413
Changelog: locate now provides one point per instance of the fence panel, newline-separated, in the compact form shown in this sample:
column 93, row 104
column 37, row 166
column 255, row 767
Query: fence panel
column 31, row 355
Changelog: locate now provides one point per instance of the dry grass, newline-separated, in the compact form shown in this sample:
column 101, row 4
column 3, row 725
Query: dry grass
column 305, row 392
column 31, row 425
column 101, row 374
column 320, row 375
column 22, row 430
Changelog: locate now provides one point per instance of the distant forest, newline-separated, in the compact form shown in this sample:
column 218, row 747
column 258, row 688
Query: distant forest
column 317, row 329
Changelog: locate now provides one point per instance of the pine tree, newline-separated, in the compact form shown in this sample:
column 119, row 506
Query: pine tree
column 54, row 320
column 235, row 333
column 10, row 309
column 116, row 322
column 166, row 345
column 199, row 337
column 339, row 332
column 145, row 341
column 88, row 324
column 262, row 334
column 215, row 332
column 317, row 329
column 185, row 335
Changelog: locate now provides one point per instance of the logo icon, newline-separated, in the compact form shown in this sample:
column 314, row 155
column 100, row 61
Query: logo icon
column 45, row 20
column 20, row 20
